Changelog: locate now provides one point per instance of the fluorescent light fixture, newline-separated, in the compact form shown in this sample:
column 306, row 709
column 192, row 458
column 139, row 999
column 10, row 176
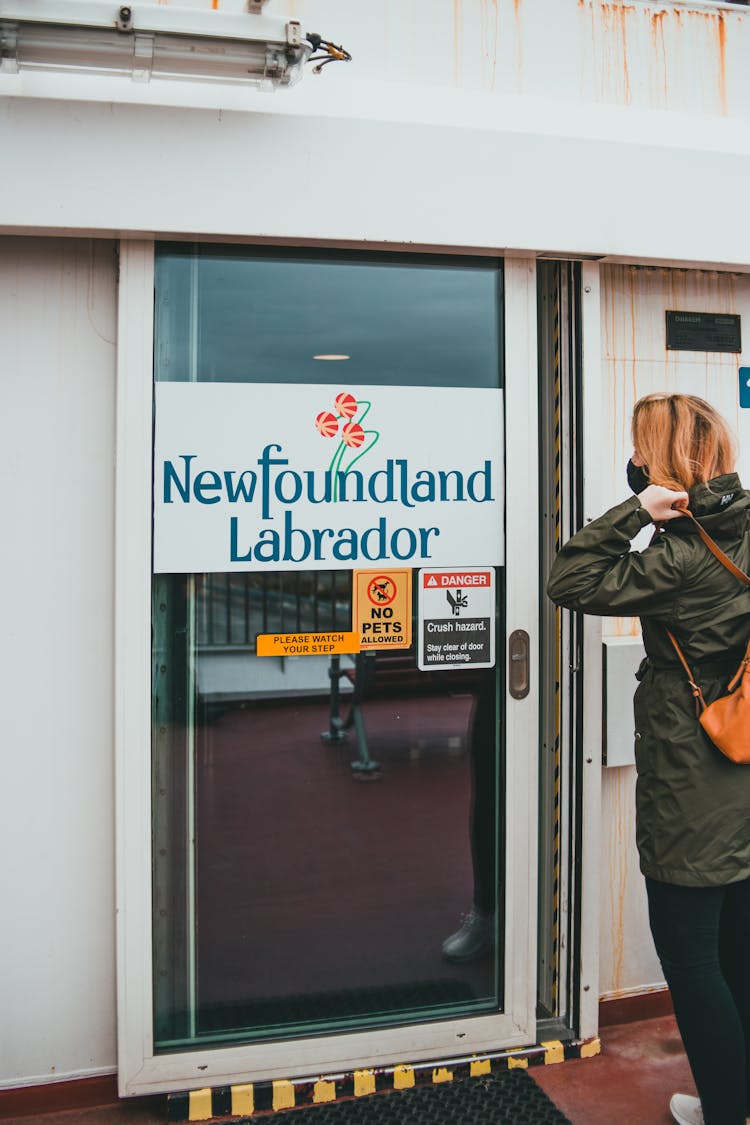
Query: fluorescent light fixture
column 332, row 357
column 152, row 41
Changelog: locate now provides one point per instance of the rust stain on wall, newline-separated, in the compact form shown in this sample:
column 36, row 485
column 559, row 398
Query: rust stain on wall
column 632, row 279
column 721, row 28
column 625, row 627
column 618, row 870
column 660, row 50
column 519, row 44
column 625, row 69
column 682, row 42
column 657, row 23
column 620, row 15
column 489, row 26
column 718, row 22
column 458, row 41
column 611, row 25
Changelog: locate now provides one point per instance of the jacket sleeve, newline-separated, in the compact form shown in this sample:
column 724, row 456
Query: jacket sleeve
column 596, row 571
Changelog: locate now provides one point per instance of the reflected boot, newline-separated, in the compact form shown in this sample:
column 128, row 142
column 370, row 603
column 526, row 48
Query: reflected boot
column 473, row 940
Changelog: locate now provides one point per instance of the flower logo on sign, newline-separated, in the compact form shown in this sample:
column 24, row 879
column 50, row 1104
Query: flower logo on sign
column 327, row 424
column 352, row 436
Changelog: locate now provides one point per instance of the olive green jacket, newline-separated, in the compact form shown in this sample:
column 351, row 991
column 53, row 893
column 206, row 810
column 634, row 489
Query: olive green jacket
column 692, row 803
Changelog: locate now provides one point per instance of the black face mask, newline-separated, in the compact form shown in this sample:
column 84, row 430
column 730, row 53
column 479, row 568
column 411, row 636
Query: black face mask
column 637, row 477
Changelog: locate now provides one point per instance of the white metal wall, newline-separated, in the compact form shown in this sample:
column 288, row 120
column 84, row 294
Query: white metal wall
column 634, row 362
column 575, row 126
column 57, row 383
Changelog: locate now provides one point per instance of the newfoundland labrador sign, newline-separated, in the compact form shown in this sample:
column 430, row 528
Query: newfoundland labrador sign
column 266, row 477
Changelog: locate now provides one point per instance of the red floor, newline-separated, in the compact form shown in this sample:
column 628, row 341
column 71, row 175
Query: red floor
column 641, row 1066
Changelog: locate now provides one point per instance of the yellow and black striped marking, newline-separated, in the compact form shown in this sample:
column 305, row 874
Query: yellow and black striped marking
column 247, row 1100
column 557, row 383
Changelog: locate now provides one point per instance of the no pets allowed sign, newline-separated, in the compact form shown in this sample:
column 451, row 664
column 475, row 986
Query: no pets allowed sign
column 456, row 618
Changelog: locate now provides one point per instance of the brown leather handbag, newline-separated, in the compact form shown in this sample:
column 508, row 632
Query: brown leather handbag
column 726, row 721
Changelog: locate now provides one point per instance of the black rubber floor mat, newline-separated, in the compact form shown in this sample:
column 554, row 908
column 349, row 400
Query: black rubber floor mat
column 509, row 1098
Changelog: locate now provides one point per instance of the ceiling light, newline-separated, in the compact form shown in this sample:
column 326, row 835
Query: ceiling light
column 332, row 357
column 157, row 42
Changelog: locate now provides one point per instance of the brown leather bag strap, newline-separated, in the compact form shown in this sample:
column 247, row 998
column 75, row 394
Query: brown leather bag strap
column 717, row 552
column 744, row 665
column 700, row 703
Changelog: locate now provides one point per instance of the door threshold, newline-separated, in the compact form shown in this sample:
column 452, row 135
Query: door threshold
column 267, row 1097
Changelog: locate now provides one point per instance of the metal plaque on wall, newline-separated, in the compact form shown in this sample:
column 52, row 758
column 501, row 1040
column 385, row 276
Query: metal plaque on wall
column 703, row 332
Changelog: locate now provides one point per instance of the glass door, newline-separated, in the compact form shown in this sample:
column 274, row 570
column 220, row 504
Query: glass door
column 331, row 813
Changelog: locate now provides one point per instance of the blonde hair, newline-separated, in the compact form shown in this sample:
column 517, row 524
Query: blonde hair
column 682, row 439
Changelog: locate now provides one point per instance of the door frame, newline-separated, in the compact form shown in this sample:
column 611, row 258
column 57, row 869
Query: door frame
column 572, row 404
column 141, row 1070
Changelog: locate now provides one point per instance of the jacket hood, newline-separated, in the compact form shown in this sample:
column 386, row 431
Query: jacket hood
column 720, row 504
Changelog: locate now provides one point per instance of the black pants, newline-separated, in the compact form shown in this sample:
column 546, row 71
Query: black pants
column 702, row 937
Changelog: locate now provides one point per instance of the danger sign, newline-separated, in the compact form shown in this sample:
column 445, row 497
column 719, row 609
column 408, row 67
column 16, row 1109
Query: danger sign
column 381, row 608
column 456, row 618
column 443, row 579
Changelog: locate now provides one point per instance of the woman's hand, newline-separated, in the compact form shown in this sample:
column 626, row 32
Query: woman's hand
column 663, row 504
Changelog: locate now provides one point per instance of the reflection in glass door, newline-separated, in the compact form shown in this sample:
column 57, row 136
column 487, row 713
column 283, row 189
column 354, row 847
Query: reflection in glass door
column 322, row 823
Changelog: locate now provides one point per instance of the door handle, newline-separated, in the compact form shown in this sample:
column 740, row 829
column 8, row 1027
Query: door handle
column 518, row 664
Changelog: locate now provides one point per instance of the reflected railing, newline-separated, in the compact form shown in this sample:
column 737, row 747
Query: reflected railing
column 233, row 608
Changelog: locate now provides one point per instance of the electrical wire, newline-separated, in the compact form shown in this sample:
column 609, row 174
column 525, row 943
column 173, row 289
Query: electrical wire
column 331, row 52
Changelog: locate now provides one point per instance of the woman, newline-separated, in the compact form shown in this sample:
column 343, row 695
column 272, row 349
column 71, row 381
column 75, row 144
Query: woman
column 692, row 803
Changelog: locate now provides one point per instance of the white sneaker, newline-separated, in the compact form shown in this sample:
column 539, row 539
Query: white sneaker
column 686, row 1109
